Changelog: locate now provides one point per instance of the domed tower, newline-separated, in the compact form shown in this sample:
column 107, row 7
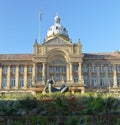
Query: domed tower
column 57, row 30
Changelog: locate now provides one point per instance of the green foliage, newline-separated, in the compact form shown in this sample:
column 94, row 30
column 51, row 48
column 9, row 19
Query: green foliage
column 72, row 120
column 118, row 122
column 28, row 103
column 67, row 94
column 94, row 104
column 17, row 123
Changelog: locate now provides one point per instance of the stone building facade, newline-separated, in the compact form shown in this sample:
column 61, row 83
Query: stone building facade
column 60, row 59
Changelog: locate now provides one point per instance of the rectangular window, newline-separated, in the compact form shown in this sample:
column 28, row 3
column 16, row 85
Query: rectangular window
column 85, row 69
column 21, row 69
column 110, row 69
column 101, row 69
column 39, row 68
column 86, row 81
column 57, row 78
column 118, row 80
column 75, row 78
column 12, row 82
column 51, row 69
column 110, row 81
column 29, row 81
column 102, row 81
column 93, row 81
column 13, row 69
column 39, row 78
column 4, row 82
column 93, row 69
column 21, row 84
column 118, row 68
column 5, row 68
column 58, row 69
column 30, row 69
column 75, row 68
column 64, row 69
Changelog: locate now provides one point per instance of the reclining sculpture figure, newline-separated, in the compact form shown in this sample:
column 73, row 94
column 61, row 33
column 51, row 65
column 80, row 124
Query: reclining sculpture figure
column 49, row 87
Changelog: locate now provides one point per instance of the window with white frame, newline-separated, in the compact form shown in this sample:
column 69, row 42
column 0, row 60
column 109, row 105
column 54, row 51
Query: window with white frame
column 21, row 83
column 102, row 81
column 75, row 68
column 94, row 81
column 12, row 82
column 29, row 81
column 5, row 68
column 101, row 69
column 4, row 82
column 39, row 68
column 29, row 69
column 21, row 69
column 13, row 69
column 85, row 68
column 110, row 69
column 93, row 69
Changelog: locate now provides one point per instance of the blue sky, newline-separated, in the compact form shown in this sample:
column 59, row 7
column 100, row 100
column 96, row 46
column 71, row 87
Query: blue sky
column 95, row 22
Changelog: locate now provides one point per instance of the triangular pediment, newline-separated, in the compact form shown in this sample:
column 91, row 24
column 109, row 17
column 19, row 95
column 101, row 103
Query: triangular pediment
column 57, row 41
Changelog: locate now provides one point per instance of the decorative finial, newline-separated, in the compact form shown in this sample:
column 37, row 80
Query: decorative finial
column 79, row 42
column 35, row 42
column 57, row 18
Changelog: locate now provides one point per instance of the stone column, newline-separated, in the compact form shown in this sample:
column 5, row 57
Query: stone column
column 67, row 72
column 79, row 72
column 34, row 74
column 47, row 71
column 98, row 76
column 17, row 77
column 43, row 72
column 8, row 77
column 0, row 77
column 25, row 77
column 71, row 76
column 114, row 76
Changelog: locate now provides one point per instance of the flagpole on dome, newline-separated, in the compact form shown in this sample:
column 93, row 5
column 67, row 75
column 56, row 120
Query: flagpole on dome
column 40, row 26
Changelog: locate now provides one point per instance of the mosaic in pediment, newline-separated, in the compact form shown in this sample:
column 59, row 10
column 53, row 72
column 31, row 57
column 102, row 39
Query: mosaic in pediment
column 57, row 41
